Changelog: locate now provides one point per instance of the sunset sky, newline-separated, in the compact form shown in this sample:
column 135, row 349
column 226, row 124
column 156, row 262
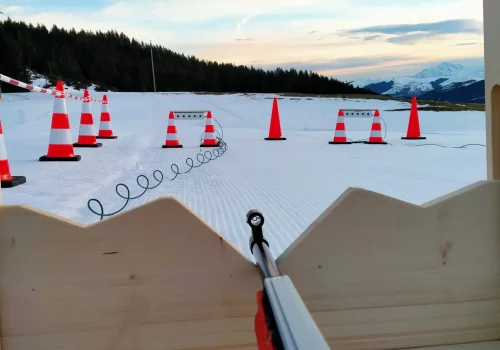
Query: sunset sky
column 345, row 39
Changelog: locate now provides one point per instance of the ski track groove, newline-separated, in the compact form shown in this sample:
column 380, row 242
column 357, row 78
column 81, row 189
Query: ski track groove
column 293, row 218
column 239, row 182
column 291, row 182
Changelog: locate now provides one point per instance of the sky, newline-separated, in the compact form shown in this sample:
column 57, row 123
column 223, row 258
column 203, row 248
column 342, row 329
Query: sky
column 346, row 39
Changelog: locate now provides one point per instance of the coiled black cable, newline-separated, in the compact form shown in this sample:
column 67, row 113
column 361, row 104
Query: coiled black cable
column 422, row 144
column 443, row 146
column 363, row 140
column 202, row 158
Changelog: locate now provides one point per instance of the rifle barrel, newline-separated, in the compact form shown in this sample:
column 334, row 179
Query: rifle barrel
column 292, row 324
column 296, row 327
column 263, row 258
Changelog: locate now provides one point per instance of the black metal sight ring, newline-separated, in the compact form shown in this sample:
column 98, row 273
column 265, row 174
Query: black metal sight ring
column 256, row 220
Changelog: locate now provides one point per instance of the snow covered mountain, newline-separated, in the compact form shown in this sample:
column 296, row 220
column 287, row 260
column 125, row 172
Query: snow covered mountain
column 444, row 81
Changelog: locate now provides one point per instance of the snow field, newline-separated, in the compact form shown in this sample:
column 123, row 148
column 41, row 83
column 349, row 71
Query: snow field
column 292, row 182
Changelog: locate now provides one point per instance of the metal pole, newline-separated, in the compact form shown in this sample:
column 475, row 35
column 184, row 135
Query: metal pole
column 153, row 66
column 1, row 97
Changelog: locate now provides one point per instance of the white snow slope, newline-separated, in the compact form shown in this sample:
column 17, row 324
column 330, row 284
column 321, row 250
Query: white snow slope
column 292, row 182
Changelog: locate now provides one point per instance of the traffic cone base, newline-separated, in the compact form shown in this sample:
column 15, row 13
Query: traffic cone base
column 13, row 182
column 375, row 143
column 106, row 137
column 214, row 145
column 74, row 158
column 414, row 138
column 87, row 145
column 275, row 138
column 172, row 146
column 340, row 143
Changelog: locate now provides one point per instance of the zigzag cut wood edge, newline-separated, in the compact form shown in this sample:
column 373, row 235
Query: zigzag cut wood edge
column 155, row 277
column 380, row 273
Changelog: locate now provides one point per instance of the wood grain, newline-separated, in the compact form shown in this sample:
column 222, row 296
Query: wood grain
column 380, row 273
column 155, row 277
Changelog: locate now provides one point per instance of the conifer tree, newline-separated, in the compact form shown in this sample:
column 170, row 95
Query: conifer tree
column 115, row 62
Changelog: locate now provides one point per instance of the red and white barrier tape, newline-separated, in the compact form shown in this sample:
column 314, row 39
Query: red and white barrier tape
column 30, row 87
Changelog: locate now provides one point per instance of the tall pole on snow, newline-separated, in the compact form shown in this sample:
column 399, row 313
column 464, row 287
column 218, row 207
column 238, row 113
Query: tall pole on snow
column 1, row 97
column 152, row 65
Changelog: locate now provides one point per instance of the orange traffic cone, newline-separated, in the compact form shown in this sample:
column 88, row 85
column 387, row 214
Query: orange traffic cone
column 340, row 136
column 209, row 139
column 171, row 140
column 60, row 144
column 6, row 179
column 86, row 136
column 275, row 125
column 413, row 132
column 105, row 130
column 376, row 132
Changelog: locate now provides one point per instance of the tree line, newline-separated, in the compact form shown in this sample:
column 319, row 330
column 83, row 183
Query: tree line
column 113, row 61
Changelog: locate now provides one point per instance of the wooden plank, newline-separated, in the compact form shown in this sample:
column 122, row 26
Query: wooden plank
column 155, row 277
column 491, row 8
column 379, row 273
column 494, row 345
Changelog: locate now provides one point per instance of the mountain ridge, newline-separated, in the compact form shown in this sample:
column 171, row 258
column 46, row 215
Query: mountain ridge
column 445, row 81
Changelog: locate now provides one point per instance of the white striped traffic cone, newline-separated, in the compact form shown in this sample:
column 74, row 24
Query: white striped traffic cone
column 171, row 140
column 376, row 132
column 209, row 139
column 6, row 178
column 340, row 136
column 60, row 143
column 86, row 136
column 105, row 130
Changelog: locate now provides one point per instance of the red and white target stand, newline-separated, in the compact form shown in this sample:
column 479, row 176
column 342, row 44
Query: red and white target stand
column 340, row 136
column 209, row 139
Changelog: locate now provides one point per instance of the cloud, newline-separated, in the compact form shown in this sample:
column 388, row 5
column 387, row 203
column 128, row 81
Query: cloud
column 443, row 27
column 12, row 10
column 276, row 32
column 243, row 22
column 197, row 10
column 411, row 33
column 372, row 37
column 410, row 38
column 466, row 44
column 340, row 63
